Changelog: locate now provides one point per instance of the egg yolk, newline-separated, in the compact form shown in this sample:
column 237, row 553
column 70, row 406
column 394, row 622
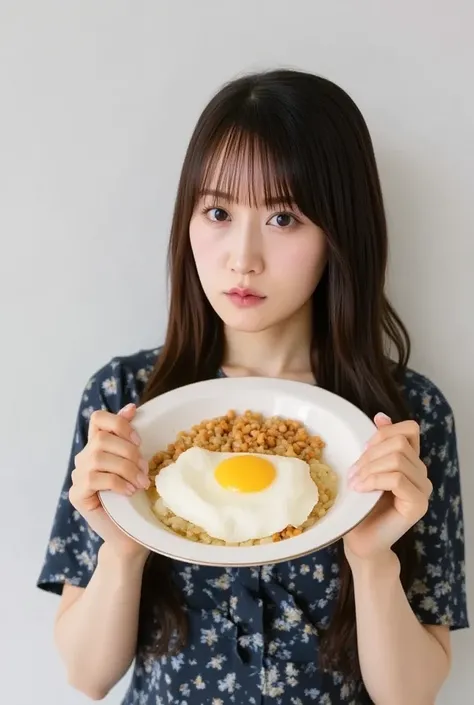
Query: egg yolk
column 245, row 473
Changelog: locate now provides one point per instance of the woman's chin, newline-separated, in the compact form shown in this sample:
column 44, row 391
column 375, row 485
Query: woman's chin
column 248, row 324
column 245, row 321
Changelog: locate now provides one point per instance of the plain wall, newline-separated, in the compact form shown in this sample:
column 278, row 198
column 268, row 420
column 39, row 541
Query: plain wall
column 98, row 100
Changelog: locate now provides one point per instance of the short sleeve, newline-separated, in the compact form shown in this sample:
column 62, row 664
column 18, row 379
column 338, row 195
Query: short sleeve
column 438, row 596
column 71, row 554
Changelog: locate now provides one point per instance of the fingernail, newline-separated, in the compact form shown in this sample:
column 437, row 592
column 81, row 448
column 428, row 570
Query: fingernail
column 352, row 471
column 143, row 465
column 143, row 481
column 383, row 417
column 126, row 408
column 130, row 489
column 135, row 438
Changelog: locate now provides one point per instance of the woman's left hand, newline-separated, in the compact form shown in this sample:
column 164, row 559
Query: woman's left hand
column 391, row 462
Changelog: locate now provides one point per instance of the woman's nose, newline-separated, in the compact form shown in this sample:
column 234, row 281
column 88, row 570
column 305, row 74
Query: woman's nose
column 246, row 255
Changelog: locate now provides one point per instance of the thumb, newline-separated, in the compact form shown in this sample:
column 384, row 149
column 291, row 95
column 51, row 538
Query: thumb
column 382, row 419
column 128, row 412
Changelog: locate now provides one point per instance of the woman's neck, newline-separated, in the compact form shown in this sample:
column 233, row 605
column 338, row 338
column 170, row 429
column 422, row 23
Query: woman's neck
column 282, row 351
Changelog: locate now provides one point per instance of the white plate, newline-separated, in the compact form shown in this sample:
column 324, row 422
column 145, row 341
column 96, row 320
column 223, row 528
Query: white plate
column 343, row 427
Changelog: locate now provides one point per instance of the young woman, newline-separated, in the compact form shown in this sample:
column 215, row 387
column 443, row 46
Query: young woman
column 279, row 202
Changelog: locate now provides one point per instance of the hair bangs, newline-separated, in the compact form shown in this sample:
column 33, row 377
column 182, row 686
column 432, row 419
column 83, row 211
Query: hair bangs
column 243, row 168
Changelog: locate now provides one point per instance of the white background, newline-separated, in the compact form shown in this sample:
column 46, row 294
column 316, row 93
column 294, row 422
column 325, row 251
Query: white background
column 98, row 100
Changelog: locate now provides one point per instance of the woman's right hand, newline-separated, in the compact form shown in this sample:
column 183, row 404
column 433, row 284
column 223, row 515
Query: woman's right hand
column 111, row 460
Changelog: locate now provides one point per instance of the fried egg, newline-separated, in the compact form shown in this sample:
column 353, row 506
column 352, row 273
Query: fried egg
column 236, row 497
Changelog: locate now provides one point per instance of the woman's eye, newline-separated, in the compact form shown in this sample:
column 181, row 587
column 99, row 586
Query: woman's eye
column 283, row 220
column 218, row 215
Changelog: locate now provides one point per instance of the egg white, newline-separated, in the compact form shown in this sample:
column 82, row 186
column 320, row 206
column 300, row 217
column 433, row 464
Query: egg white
column 189, row 489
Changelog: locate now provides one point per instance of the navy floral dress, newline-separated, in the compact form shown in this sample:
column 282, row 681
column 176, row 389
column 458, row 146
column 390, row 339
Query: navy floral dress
column 254, row 631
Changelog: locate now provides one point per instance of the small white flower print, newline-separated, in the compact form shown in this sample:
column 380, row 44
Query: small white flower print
column 177, row 662
column 442, row 588
column 292, row 614
column 291, row 673
column 56, row 545
column 429, row 604
column 418, row 588
column 449, row 421
column 209, row 636
column 109, row 386
column 142, row 375
column 216, row 662
column 318, row 573
column 87, row 412
column 227, row 684
column 420, row 548
column 199, row 683
column 85, row 559
column 251, row 641
column 434, row 571
column 185, row 690
column 221, row 583
column 447, row 617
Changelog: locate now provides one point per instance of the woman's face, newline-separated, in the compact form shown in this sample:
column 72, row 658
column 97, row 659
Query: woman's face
column 258, row 265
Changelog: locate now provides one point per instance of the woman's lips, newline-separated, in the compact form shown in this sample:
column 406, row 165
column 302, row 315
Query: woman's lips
column 245, row 298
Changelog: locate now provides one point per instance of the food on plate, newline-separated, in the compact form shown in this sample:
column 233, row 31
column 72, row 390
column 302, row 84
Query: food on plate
column 237, row 496
column 242, row 480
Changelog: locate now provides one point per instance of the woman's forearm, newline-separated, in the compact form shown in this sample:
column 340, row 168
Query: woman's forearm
column 401, row 662
column 97, row 634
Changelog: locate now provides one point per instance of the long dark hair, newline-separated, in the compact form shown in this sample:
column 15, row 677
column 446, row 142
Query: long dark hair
column 313, row 149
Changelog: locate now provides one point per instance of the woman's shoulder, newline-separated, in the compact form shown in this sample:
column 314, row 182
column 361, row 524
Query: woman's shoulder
column 426, row 400
column 430, row 408
column 120, row 380
column 140, row 363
